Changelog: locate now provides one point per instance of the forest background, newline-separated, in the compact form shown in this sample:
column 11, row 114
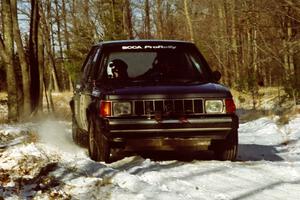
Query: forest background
column 253, row 43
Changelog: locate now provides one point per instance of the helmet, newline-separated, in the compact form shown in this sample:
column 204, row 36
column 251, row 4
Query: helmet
column 118, row 69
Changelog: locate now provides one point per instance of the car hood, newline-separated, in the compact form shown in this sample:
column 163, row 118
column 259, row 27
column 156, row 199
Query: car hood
column 210, row 90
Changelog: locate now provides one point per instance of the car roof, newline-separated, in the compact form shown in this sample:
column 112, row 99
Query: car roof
column 143, row 42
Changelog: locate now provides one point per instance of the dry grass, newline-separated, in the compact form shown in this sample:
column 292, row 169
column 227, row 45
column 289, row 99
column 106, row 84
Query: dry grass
column 250, row 115
column 266, row 98
column 3, row 96
column 288, row 114
column 3, row 119
column 270, row 101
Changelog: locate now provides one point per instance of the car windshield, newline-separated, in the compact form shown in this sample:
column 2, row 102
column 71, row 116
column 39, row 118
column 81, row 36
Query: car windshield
column 156, row 66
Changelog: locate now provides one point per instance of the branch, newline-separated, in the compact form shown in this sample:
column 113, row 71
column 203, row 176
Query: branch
column 293, row 4
column 269, row 49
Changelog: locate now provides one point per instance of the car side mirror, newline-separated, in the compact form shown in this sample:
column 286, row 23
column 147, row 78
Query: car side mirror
column 96, row 92
column 217, row 75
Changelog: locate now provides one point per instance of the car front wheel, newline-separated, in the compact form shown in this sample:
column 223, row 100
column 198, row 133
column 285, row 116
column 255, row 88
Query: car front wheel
column 99, row 149
column 226, row 149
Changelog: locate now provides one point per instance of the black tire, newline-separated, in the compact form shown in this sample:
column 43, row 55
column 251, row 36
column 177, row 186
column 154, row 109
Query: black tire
column 226, row 149
column 93, row 143
column 78, row 136
column 99, row 149
column 104, row 149
column 74, row 131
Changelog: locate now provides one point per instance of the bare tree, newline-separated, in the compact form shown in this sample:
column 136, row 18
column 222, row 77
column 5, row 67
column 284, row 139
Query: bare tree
column 23, row 62
column 147, row 20
column 188, row 20
column 128, row 20
column 7, row 54
column 159, row 20
column 33, row 55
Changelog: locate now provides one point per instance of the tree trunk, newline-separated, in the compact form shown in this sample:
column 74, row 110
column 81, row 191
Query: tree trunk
column 47, row 40
column 66, row 31
column 234, row 41
column 67, row 44
column 74, row 18
column 113, row 14
column 23, row 62
column 128, row 20
column 54, row 80
column 49, row 91
column 7, row 53
column 226, row 55
column 33, row 56
column 255, row 52
column 288, row 55
column 52, row 44
column 60, row 66
column 159, row 20
column 188, row 20
column 58, row 26
column 147, row 20
column 41, row 62
column 221, row 51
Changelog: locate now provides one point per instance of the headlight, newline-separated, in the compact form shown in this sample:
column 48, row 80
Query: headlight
column 122, row 108
column 214, row 106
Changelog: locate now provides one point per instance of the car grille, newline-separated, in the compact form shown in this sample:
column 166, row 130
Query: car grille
column 177, row 106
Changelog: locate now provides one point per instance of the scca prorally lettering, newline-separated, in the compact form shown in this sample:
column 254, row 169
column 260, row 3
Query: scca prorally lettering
column 148, row 47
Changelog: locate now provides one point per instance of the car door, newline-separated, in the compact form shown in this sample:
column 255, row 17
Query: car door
column 82, row 97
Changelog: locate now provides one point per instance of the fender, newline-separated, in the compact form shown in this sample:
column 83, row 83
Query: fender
column 91, row 108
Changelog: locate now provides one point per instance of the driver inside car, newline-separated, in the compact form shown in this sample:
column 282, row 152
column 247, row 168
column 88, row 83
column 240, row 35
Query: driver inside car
column 118, row 69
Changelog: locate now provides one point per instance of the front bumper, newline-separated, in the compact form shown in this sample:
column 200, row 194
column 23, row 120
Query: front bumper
column 204, row 127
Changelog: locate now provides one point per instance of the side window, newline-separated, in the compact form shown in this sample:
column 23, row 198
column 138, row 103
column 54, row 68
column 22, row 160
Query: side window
column 95, row 68
column 88, row 70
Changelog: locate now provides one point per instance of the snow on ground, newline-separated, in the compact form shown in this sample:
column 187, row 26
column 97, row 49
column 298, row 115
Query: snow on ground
column 268, row 167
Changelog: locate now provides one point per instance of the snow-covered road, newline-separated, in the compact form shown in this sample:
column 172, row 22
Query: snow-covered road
column 268, row 167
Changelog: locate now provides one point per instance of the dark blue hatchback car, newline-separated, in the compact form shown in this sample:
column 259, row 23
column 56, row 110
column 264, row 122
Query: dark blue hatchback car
column 152, row 95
